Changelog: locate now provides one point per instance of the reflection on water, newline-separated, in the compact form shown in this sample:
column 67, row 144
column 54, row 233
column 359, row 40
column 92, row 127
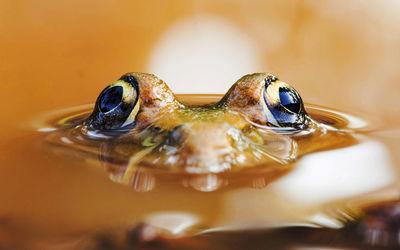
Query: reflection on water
column 317, row 179
column 305, row 192
column 134, row 160
column 338, row 174
column 175, row 222
column 276, row 195
column 138, row 178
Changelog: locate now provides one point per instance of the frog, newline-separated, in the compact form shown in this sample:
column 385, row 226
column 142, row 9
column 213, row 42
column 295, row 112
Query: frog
column 138, row 128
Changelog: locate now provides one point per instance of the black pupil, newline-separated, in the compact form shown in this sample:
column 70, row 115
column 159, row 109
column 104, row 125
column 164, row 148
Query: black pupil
column 110, row 98
column 290, row 100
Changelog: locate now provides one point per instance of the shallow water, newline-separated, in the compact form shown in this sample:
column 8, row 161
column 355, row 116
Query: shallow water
column 59, row 55
column 71, row 197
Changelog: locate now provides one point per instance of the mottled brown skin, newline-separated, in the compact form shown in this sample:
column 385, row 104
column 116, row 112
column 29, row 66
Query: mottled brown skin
column 245, row 96
column 156, row 98
column 158, row 101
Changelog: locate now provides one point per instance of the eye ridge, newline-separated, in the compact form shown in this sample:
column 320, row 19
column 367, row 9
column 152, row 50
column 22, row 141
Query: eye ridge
column 270, row 79
column 130, row 79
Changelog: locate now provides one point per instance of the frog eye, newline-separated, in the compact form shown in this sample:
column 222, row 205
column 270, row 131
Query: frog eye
column 282, row 104
column 117, row 106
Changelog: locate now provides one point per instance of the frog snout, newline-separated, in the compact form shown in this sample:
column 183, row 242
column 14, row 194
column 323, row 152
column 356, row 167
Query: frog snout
column 206, row 147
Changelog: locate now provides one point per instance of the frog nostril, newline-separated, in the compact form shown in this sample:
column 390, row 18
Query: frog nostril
column 176, row 135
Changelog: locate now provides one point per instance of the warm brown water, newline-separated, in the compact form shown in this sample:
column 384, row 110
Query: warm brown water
column 69, row 198
column 59, row 55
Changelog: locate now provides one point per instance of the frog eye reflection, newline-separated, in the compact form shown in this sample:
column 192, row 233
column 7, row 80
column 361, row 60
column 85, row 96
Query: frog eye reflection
column 110, row 98
column 283, row 105
column 116, row 107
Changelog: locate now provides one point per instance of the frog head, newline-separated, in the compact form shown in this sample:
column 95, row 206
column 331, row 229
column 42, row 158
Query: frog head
column 147, row 126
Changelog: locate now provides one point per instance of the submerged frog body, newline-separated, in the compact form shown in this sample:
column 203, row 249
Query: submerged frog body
column 138, row 123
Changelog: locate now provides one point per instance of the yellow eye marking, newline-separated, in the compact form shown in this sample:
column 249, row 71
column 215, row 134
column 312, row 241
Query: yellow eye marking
column 132, row 116
column 272, row 90
column 270, row 118
column 272, row 99
column 129, row 95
